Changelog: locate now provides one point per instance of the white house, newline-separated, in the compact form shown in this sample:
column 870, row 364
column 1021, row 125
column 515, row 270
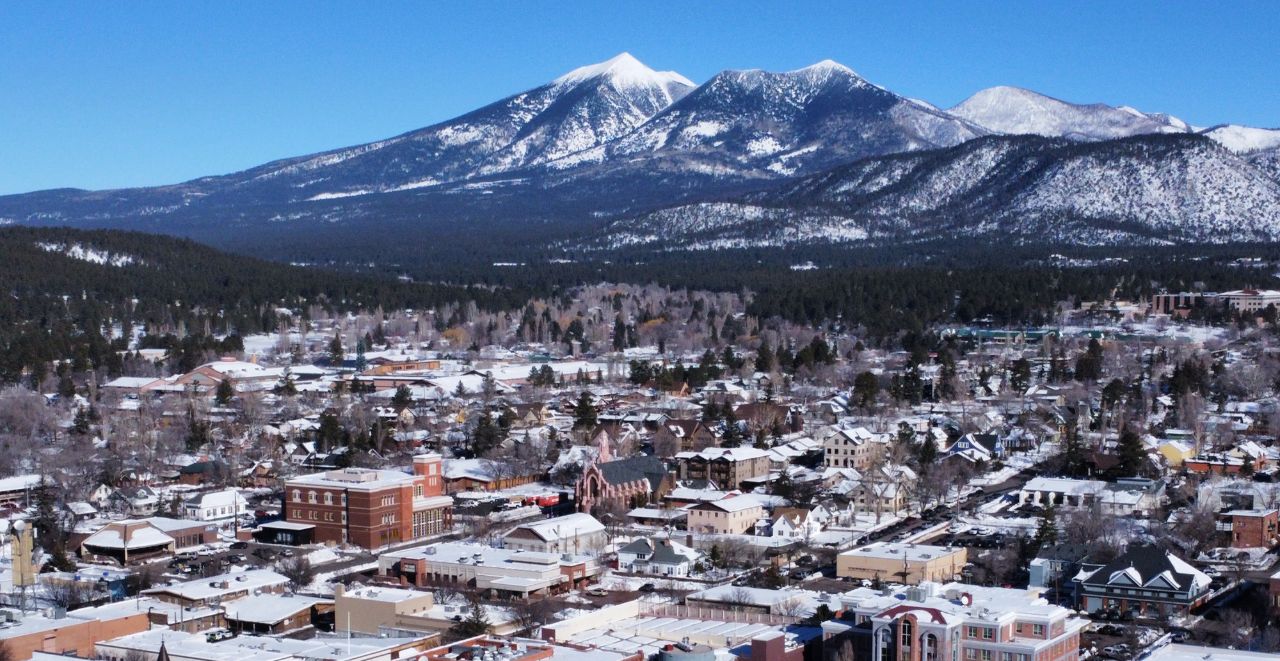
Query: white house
column 215, row 506
column 661, row 557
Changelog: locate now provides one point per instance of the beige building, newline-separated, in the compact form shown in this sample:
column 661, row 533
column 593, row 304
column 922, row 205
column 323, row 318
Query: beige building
column 377, row 610
column 735, row 515
column 901, row 563
column 853, row 447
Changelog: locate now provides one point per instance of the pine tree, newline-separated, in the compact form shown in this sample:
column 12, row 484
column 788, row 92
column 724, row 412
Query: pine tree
column 1047, row 532
column 224, row 393
column 584, row 412
column 1132, row 456
column 476, row 623
column 403, row 398
column 361, row 362
column 764, row 359
column 335, row 350
column 865, row 389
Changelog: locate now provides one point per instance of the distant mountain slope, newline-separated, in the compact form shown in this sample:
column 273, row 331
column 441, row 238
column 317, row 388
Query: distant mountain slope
column 1244, row 139
column 1145, row 189
column 709, row 165
column 1017, row 111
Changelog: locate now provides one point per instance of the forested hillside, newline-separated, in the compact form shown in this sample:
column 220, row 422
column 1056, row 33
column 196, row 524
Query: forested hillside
column 79, row 293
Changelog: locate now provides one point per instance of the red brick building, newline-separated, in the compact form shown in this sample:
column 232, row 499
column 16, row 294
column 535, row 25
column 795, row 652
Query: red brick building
column 372, row 508
column 1251, row 528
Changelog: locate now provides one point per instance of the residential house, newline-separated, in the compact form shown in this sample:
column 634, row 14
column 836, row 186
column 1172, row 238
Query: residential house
column 224, row 505
column 657, row 556
column 1144, row 581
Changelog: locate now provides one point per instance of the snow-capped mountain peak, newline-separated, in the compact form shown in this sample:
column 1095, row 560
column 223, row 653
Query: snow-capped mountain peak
column 624, row 70
column 826, row 66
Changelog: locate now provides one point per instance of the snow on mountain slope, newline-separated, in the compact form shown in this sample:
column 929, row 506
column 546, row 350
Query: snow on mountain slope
column 1142, row 189
column 759, row 123
column 1017, row 111
column 1243, row 139
column 584, row 108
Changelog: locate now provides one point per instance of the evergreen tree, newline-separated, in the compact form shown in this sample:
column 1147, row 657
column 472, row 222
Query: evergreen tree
column 403, row 398
column 764, row 358
column 80, row 424
column 361, row 362
column 1047, row 532
column 584, row 412
column 619, row 333
column 485, row 436
column 335, row 350
column 1132, row 456
column 1020, row 375
column 866, row 386
column 476, row 623
column 224, row 393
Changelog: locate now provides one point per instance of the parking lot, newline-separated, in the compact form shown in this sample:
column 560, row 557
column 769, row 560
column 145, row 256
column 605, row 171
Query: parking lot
column 217, row 559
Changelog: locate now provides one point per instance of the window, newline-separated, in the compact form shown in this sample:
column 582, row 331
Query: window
column 986, row 655
column 970, row 654
column 1037, row 629
column 328, row 498
column 297, row 496
column 311, row 497
column 988, row 633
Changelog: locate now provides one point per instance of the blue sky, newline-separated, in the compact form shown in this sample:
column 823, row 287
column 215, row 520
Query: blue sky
column 100, row 95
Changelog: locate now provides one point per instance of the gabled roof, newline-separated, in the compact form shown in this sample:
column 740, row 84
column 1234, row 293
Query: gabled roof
column 632, row 469
column 1148, row 566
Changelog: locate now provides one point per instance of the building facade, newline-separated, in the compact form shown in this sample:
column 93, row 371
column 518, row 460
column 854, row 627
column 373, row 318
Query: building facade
column 953, row 622
column 727, row 468
column 372, row 508
column 901, row 563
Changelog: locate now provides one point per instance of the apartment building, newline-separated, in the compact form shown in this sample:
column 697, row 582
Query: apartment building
column 735, row 515
column 852, row 447
column 953, row 622
column 372, row 508
column 727, row 468
column 1254, row 528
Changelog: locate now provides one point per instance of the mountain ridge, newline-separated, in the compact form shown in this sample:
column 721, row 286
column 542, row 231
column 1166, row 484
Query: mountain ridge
column 616, row 142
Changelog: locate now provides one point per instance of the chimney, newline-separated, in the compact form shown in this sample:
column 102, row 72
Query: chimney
column 769, row 646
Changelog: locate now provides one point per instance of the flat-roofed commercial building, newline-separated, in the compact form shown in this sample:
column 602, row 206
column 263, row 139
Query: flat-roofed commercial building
column 901, row 563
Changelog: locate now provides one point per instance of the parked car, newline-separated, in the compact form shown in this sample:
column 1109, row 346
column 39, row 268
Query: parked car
column 648, row 587
column 598, row 592
column 239, row 545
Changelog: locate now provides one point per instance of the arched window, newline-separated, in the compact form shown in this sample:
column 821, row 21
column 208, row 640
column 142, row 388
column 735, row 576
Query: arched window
column 311, row 497
column 884, row 641
column 297, row 495
column 328, row 498
column 930, row 644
